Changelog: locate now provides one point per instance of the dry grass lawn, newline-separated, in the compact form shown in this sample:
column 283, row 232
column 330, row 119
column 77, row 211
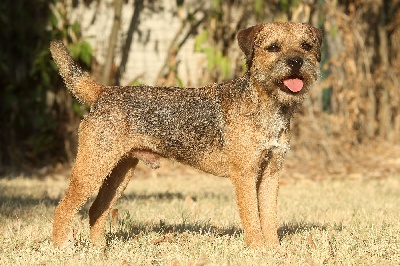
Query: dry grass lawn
column 184, row 217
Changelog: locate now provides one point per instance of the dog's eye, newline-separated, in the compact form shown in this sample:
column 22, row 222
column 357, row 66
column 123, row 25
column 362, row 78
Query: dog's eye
column 306, row 46
column 273, row 48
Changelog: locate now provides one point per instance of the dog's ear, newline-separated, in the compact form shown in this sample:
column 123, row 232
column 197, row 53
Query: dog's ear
column 318, row 35
column 246, row 39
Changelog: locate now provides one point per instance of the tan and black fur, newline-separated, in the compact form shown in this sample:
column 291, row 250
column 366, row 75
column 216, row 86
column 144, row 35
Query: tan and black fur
column 237, row 129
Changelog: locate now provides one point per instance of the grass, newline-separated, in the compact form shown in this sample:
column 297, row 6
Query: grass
column 185, row 217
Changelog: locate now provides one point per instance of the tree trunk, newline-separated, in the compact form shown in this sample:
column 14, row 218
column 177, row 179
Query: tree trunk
column 112, row 42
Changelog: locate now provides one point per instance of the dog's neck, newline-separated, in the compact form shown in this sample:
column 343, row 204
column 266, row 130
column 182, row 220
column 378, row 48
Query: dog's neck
column 267, row 102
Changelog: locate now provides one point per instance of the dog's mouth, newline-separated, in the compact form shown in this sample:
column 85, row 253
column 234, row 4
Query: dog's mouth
column 292, row 84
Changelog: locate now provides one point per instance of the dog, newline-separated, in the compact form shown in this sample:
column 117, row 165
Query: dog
column 237, row 129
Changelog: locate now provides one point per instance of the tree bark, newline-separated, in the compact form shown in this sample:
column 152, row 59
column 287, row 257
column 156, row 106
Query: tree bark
column 112, row 42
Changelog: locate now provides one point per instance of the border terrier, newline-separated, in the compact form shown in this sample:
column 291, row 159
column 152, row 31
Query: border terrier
column 237, row 129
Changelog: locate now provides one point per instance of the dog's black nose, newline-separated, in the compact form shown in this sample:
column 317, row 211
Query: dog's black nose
column 295, row 63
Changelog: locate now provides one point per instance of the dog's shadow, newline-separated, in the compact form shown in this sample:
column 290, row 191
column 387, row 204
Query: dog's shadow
column 127, row 229
column 135, row 230
column 288, row 229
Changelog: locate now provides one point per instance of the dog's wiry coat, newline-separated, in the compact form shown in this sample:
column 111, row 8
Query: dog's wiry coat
column 237, row 129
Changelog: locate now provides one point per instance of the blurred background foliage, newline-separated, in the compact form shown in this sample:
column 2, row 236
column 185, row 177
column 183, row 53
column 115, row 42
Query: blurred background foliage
column 37, row 113
column 356, row 103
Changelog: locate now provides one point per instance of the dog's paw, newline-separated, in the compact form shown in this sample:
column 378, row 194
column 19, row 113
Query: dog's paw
column 66, row 243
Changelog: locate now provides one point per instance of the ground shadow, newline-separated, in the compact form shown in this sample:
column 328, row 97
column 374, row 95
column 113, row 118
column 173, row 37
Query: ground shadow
column 154, row 196
column 9, row 204
column 136, row 230
column 167, row 195
column 288, row 229
column 129, row 229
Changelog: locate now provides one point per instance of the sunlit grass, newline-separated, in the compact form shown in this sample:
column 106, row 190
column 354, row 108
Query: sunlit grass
column 188, row 218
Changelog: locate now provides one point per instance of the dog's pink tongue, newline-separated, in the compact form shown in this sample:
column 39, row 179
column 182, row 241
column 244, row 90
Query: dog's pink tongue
column 294, row 85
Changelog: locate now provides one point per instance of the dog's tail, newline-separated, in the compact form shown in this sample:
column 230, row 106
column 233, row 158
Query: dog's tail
column 77, row 80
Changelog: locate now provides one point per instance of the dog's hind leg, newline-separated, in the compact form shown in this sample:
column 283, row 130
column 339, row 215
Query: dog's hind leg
column 94, row 162
column 84, row 182
column 110, row 191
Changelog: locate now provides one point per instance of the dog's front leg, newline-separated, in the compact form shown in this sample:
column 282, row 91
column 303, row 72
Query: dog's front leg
column 244, row 180
column 267, row 193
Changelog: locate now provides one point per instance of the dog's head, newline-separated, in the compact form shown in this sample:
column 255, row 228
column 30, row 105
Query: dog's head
column 282, row 58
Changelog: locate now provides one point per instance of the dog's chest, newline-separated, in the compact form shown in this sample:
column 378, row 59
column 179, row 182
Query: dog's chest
column 274, row 133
